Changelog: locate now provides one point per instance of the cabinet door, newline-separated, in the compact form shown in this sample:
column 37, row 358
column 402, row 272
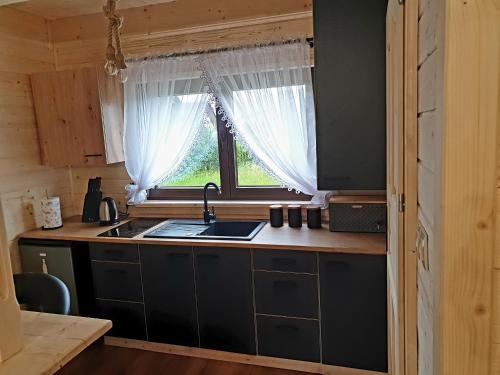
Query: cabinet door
column 293, row 295
column 169, row 294
column 225, row 300
column 117, row 281
column 127, row 317
column 354, row 310
column 289, row 338
column 349, row 77
column 69, row 118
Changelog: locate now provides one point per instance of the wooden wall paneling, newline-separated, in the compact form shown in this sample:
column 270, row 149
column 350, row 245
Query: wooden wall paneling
column 427, row 85
column 26, row 49
column 55, row 9
column 430, row 123
column 178, row 15
column 427, row 145
column 468, row 184
column 495, row 321
column 425, row 336
column 427, row 38
column 89, row 52
column 497, row 238
column 23, row 25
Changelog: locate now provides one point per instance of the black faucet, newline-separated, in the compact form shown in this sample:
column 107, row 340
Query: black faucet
column 207, row 215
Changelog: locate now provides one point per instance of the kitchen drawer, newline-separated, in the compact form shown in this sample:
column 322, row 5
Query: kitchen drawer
column 286, row 294
column 288, row 338
column 117, row 281
column 113, row 252
column 127, row 317
column 286, row 261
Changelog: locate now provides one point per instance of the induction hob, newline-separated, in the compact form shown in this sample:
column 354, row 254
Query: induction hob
column 132, row 228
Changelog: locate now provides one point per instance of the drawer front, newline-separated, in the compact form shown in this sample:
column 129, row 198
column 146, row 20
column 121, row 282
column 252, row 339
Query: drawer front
column 287, row 261
column 286, row 294
column 117, row 281
column 289, row 338
column 114, row 252
column 127, row 317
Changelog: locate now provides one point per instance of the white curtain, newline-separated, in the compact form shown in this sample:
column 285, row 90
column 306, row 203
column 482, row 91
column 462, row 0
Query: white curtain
column 266, row 95
column 165, row 101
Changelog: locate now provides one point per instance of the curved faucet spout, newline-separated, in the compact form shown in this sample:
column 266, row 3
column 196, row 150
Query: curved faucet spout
column 207, row 215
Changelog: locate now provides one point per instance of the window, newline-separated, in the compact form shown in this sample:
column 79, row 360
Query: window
column 217, row 157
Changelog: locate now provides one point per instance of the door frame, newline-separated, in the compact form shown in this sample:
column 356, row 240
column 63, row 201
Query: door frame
column 406, row 238
column 410, row 166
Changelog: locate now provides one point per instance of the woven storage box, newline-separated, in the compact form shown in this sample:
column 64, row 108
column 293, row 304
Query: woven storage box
column 358, row 214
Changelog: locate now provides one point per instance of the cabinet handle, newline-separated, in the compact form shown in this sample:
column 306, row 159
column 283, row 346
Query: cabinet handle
column 208, row 256
column 285, row 284
column 281, row 262
column 287, row 327
column 92, row 155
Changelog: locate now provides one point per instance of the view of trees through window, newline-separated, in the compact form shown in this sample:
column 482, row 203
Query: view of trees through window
column 203, row 164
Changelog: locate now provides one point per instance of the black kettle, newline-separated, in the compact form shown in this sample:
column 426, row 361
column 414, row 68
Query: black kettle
column 108, row 212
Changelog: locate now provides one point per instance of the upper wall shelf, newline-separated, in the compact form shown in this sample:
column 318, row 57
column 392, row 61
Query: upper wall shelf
column 79, row 117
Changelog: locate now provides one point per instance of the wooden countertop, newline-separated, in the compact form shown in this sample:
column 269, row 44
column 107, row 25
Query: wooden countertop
column 304, row 239
column 51, row 341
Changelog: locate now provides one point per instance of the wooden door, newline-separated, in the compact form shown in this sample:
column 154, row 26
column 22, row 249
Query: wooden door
column 395, row 184
column 69, row 119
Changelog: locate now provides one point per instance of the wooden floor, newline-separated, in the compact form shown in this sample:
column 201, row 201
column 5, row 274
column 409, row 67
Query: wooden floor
column 102, row 359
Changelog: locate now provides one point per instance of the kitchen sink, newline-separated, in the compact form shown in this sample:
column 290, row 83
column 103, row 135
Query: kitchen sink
column 217, row 230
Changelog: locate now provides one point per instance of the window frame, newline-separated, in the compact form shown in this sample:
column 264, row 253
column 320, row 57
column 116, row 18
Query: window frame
column 228, row 178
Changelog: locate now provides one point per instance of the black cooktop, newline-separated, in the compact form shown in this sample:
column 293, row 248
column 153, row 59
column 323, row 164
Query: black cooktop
column 132, row 228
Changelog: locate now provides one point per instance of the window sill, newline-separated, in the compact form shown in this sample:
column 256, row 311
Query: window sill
column 216, row 203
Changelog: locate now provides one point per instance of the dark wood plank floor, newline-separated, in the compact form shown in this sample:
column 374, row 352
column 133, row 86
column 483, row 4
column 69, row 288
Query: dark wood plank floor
column 101, row 359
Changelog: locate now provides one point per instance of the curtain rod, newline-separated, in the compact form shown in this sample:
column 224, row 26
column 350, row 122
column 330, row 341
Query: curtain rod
column 309, row 41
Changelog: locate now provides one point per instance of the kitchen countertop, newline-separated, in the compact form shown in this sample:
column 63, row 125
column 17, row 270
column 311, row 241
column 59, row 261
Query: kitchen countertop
column 286, row 238
column 51, row 341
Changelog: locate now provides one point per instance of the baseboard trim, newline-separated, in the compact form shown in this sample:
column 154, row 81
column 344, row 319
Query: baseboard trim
column 287, row 364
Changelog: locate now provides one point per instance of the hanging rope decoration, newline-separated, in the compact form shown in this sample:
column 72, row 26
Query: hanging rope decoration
column 115, row 61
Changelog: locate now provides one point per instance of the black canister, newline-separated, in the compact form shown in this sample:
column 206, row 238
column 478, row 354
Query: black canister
column 314, row 217
column 294, row 216
column 276, row 215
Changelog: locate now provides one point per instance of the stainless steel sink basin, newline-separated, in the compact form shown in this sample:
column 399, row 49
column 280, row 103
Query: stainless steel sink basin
column 218, row 230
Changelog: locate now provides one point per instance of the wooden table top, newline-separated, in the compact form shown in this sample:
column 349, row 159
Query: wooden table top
column 286, row 238
column 51, row 341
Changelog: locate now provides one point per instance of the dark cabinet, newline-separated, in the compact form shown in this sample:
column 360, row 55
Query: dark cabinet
column 285, row 261
column 117, row 281
column 212, row 298
column 289, row 338
column 169, row 294
column 225, row 300
column 354, row 310
column 284, row 294
column 127, row 317
column 349, row 78
column 113, row 252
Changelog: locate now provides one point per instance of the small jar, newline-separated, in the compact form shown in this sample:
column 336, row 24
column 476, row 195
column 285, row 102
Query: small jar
column 314, row 217
column 294, row 216
column 276, row 215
